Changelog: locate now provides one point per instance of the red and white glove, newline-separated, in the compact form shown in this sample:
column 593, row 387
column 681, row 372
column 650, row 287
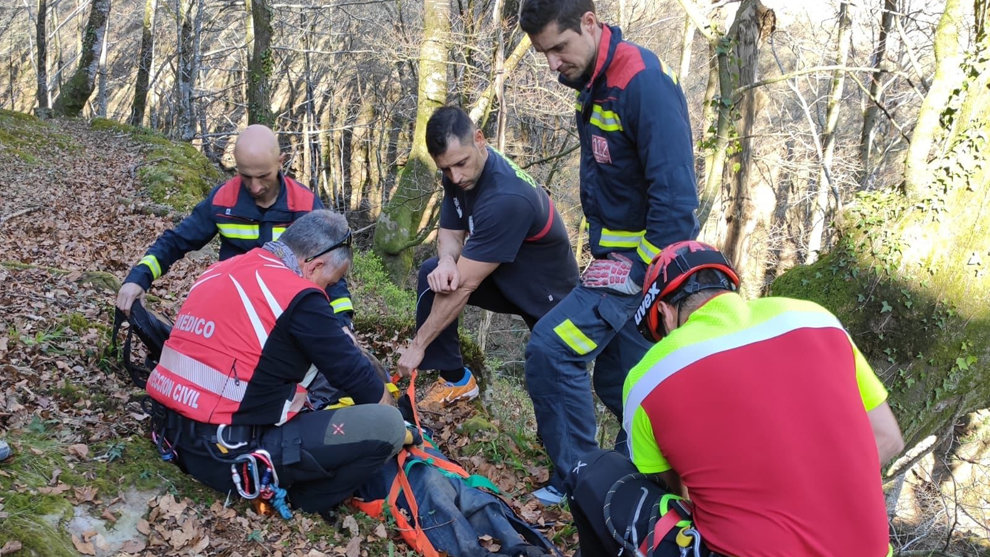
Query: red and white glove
column 610, row 273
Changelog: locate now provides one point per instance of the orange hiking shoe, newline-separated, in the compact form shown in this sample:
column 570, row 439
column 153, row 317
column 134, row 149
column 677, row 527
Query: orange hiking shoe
column 442, row 392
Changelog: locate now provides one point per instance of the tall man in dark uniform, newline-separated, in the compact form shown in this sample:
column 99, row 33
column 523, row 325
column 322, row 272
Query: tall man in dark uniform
column 638, row 192
column 501, row 246
column 248, row 210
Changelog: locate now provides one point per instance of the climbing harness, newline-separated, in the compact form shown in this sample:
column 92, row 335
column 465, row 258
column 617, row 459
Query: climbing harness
column 668, row 512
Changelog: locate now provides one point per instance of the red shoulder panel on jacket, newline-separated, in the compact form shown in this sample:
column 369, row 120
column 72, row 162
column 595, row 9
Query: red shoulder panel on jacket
column 299, row 197
column 226, row 196
column 626, row 63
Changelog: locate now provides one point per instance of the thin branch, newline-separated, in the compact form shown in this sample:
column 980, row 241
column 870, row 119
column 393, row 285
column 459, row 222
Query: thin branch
column 770, row 80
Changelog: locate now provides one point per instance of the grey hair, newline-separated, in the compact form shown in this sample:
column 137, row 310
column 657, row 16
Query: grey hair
column 315, row 232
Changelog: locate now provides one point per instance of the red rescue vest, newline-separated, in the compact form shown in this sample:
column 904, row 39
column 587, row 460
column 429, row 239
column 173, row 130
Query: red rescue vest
column 212, row 354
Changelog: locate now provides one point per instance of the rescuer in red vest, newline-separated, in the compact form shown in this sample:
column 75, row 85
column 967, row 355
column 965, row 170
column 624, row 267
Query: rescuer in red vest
column 253, row 333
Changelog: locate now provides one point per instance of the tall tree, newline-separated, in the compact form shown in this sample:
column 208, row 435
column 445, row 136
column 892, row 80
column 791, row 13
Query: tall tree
column 820, row 210
column 75, row 94
column 145, row 61
column 948, row 78
column 189, row 27
column 407, row 219
column 260, row 61
column 41, row 39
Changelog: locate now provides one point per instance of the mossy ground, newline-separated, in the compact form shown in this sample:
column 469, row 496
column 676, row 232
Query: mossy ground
column 174, row 173
column 28, row 138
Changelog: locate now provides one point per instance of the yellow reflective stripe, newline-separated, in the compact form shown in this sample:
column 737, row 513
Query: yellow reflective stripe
column 646, row 250
column 890, row 550
column 670, row 73
column 152, row 263
column 342, row 304
column 573, row 337
column 605, row 119
column 239, row 231
column 620, row 238
column 277, row 231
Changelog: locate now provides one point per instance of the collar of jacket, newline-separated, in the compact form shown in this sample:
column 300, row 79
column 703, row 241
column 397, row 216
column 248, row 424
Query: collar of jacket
column 283, row 252
column 611, row 36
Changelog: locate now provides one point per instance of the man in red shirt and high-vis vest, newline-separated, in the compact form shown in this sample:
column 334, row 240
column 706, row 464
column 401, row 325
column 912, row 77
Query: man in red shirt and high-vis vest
column 252, row 335
column 762, row 412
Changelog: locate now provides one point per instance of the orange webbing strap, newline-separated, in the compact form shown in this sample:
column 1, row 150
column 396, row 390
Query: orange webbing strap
column 437, row 462
column 412, row 533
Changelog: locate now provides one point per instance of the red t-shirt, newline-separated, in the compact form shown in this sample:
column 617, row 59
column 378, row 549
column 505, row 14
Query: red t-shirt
column 760, row 407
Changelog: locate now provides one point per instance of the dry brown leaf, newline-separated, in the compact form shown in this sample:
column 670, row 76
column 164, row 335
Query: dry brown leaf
column 350, row 523
column 85, row 494
column 79, row 450
column 380, row 531
column 84, row 547
column 143, row 526
column 133, row 546
column 353, row 548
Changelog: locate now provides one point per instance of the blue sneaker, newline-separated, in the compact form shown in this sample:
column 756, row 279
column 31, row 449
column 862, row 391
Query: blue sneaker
column 548, row 495
column 4, row 450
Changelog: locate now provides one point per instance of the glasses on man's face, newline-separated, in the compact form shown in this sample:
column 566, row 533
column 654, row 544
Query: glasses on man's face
column 346, row 242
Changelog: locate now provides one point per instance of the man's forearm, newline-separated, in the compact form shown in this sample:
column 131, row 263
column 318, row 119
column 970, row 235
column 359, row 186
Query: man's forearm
column 449, row 244
column 446, row 308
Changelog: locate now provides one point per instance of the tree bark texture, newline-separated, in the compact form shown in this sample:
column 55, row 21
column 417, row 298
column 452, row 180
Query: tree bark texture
column 260, row 63
column 145, row 61
column 41, row 40
column 821, row 209
column 742, row 217
column 76, row 92
column 185, row 79
column 407, row 219
column 910, row 277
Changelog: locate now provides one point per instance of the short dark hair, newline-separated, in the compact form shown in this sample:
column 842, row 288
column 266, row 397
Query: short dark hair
column 447, row 122
column 535, row 15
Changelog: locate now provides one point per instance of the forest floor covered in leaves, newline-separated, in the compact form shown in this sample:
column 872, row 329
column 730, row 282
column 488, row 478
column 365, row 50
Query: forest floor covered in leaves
column 84, row 477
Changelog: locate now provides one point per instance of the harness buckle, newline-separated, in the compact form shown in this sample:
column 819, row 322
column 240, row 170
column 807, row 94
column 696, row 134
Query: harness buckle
column 223, row 442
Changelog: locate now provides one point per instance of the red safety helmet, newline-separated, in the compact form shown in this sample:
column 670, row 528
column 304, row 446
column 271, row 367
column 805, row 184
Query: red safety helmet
column 671, row 278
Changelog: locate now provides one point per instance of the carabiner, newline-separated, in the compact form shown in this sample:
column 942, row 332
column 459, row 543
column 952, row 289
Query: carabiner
column 252, row 470
column 223, row 442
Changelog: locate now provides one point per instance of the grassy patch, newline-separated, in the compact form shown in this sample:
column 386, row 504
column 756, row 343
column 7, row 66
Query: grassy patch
column 30, row 139
column 174, row 173
column 379, row 305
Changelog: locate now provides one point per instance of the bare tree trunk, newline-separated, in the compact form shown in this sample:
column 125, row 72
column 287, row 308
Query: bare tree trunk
column 259, row 93
column 948, row 77
column 185, row 82
column 41, row 40
column 747, row 30
column 75, row 94
column 101, row 94
column 406, row 220
column 821, row 211
column 876, row 92
column 145, row 61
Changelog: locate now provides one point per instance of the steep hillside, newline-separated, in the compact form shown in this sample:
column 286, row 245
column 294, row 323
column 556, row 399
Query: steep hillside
column 79, row 204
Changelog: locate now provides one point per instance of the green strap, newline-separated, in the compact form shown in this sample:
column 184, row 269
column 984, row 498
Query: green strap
column 474, row 480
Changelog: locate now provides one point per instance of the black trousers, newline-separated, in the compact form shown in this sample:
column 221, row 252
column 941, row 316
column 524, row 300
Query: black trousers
column 321, row 457
column 630, row 510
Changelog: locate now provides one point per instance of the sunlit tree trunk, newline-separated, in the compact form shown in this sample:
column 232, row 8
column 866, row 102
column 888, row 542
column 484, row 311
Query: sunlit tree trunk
column 76, row 92
column 187, row 69
column 407, row 219
column 747, row 32
column 821, row 210
column 948, row 78
column 145, row 61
